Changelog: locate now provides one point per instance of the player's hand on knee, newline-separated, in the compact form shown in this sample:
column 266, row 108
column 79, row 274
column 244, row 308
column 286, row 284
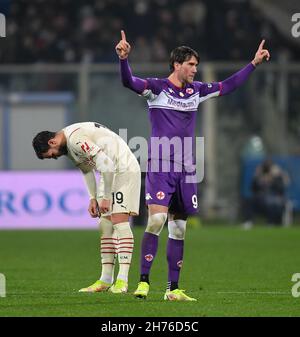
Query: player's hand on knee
column 123, row 47
column 93, row 208
column 104, row 206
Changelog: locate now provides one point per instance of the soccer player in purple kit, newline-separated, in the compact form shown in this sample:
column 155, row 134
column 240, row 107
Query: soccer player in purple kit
column 173, row 104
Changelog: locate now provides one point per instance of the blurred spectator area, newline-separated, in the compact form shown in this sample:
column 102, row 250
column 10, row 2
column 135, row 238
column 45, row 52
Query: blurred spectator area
column 69, row 46
column 71, row 31
column 288, row 164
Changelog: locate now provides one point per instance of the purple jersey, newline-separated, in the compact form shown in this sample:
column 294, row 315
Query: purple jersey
column 172, row 112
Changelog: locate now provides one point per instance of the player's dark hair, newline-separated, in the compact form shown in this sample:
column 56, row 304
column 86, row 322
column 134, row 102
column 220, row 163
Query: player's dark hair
column 40, row 142
column 182, row 54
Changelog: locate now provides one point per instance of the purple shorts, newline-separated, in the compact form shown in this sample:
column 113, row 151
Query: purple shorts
column 170, row 189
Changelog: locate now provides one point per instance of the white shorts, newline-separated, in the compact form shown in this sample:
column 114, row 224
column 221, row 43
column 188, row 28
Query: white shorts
column 125, row 192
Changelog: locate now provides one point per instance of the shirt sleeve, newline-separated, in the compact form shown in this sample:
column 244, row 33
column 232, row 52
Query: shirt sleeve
column 107, row 168
column 209, row 90
column 102, row 163
column 236, row 80
column 84, row 146
column 132, row 82
column 90, row 182
column 153, row 88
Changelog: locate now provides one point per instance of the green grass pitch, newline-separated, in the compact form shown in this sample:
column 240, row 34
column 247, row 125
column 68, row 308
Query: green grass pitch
column 231, row 272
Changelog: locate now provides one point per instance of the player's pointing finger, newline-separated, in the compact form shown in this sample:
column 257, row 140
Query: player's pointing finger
column 261, row 45
column 123, row 35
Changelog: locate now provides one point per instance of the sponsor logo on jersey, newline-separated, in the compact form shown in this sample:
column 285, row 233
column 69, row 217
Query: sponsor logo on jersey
column 183, row 105
column 209, row 85
column 148, row 196
column 149, row 257
column 86, row 148
column 189, row 91
column 181, row 94
column 179, row 263
column 165, row 100
column 160, row 195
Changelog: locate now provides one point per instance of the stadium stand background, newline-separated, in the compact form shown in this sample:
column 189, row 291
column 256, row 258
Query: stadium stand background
column 68, row 46
column 61, row 31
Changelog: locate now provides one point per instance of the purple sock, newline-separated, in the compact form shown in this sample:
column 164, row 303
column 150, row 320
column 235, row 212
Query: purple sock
column 175, row 257
column 149, row 249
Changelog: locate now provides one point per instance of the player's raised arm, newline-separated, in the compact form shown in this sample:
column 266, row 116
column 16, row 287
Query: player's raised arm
column 261, row 54
column 123, row 47
column 237, row 79
column 134, row 83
